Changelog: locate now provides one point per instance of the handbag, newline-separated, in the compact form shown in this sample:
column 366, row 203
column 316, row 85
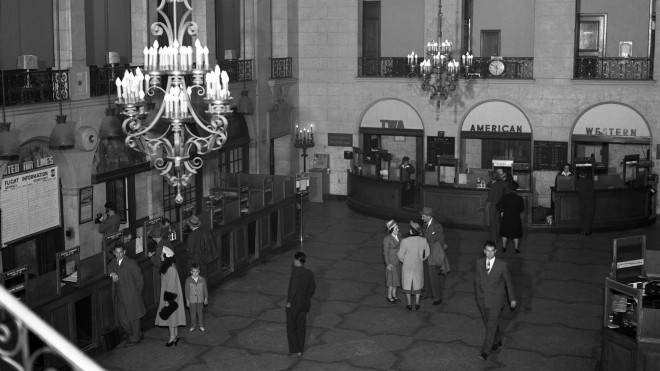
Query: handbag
column 171, row 306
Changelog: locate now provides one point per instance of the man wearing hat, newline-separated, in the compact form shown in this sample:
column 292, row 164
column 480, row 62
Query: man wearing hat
column 437, row 263
column 199, row 244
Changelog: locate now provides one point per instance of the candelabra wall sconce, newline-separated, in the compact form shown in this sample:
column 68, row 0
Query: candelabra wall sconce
column 304, row 139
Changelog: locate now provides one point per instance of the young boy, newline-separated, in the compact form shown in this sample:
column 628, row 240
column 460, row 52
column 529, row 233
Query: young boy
column 196, row 296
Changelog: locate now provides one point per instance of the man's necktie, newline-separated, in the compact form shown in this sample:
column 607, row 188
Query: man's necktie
column 487, row 265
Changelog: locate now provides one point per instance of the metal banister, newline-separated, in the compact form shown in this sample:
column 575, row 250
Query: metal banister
column 14, row 339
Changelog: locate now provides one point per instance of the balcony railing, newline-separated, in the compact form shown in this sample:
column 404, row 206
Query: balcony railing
column 17, row 346
column 280, row 68
column 237, row 69
column 520, row 68
column 383, row 67
column 514, row 67
column 23, row 87
column 102, row 79
column 613, row 68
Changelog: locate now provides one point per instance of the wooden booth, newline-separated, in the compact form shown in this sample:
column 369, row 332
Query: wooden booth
column 614, row 141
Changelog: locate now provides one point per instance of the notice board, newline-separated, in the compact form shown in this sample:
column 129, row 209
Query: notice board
column 549, row 155
column 30, row 203
column 439, row 146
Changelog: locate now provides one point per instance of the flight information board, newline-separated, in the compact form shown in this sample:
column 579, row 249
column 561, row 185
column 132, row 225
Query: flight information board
column 549, row 155
column 30, row 203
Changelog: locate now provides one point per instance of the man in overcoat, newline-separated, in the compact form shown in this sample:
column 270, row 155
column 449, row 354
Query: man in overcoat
column 298, row 301
column 492, row 287
column 438, row 263
column 127, row 286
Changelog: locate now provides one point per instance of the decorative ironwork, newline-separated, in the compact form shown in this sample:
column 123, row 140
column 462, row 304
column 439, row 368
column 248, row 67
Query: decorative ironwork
column 304, row 139
column 438, row 72
column 383, row 67
column 176, row 135
column 102, row 79
column 280, row 68
column 613, row 68
column 17, row 351
column 43, row 87
column 237, row 69
column 514, row 68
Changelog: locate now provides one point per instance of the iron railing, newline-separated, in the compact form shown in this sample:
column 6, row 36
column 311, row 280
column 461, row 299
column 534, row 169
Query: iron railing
column 514, row 68
column 27, row 87
column 237, row 69
column 383, row 67
column 613, row 68
column 102, row 79
column 280, row 68
column 17, row 350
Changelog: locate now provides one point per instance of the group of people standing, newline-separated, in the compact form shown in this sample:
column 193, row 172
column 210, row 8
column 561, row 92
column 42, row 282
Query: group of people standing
column 128, row 283
column 419, row 257
column 422, row 253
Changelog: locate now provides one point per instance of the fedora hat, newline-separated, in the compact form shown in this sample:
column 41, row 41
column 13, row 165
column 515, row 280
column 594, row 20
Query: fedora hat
column 390, row 224
column 427, row 211
column 167, row 252
column 194, row 222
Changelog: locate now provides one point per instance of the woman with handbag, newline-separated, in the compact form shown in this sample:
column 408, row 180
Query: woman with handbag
column 171, row 312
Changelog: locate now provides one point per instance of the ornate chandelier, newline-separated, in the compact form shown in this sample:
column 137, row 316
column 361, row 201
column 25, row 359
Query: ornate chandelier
column 438, row 71
column 176, row 134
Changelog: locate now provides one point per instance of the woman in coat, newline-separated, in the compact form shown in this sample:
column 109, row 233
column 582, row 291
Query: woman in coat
column 171, row 312
column 511, row 205
column 413, row 250
column 390, row 250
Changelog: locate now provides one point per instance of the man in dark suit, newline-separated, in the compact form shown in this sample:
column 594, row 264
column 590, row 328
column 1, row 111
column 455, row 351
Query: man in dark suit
column 492, row 286
column 301, row 289
column 127, row 286
column 496, row 189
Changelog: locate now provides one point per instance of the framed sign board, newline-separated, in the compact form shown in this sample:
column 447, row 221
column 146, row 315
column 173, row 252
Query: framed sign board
column 67, row 267
column 438, row 148
column 550, row 155
column 628, row 255
column 340, row 140
column 30, row 203
column 15, row 280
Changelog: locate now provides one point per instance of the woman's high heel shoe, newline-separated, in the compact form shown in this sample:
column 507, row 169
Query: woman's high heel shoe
column 176, row 341
column 170, row 343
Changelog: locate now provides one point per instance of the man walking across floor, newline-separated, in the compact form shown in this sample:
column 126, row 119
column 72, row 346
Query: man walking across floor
column 301, row 289
column 438, row 263
column 127, row 286
column 492, row 287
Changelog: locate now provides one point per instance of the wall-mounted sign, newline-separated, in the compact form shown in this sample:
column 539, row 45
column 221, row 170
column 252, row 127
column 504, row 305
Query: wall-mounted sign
column 340, row 140
column 496, row 117
column 391, row 114
column 612, row 120
column 30, row 203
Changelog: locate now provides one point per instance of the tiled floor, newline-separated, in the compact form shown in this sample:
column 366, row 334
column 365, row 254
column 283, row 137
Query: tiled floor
column 559, row 279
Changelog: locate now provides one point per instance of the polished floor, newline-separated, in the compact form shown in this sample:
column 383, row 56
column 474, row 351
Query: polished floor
column 558, row 277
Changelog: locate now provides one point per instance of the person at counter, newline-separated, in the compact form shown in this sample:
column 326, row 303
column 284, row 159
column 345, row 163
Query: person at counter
column 496, row 189
column 109, row 220
column 584, row 186
column 564, row 177
column 406, row 170
column 511, row 205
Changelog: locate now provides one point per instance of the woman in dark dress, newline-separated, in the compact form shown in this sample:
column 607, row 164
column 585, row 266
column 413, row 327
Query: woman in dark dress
column 510, row 206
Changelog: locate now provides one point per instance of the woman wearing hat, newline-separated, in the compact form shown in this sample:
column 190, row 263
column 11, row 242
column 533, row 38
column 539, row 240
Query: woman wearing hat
column 413, row 250
column 171, row 312
column 390, row 250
